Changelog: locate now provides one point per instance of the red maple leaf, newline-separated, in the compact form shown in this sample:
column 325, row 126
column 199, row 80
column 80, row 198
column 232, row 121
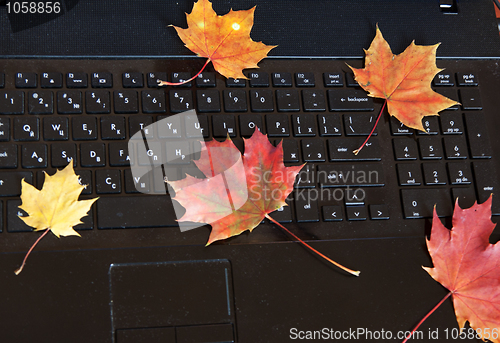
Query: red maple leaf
column 239, row 191
column 469, row 267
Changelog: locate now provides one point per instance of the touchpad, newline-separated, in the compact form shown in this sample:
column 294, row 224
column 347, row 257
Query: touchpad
column 184, row 296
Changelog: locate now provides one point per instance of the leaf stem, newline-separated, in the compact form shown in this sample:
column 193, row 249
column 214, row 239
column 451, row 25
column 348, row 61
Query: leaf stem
column 426, row 316
column 165, row 83
column 353, row 272
column 374, row 126
column 20, row 269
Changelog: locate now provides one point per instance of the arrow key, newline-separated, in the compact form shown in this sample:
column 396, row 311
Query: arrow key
column 356, row 212
column 332, row 213
column 379, row 212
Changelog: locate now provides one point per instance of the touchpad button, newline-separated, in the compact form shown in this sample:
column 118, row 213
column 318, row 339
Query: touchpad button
column 171, row 294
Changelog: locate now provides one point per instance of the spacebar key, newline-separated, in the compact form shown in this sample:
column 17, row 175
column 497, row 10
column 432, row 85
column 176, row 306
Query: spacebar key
column 135, row 212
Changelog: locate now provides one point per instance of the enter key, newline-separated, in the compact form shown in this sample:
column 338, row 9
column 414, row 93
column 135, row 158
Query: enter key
column 487, row 183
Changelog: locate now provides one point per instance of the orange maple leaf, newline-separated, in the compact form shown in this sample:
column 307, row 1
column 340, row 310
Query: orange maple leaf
column 403, row 80
column 469, row 267
column 238, row 191
column 224, row 40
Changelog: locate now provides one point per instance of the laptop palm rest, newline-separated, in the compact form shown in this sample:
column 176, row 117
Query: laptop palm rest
column 149, row 302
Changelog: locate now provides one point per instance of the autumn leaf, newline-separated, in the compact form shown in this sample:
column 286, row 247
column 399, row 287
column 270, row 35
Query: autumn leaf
column 233, row 200
column 224, row 40
column 469, row 267
column 403, row 80
column 56, row 207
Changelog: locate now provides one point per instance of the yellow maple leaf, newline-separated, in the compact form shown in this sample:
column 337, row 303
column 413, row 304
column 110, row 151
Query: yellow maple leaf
column 56, row 207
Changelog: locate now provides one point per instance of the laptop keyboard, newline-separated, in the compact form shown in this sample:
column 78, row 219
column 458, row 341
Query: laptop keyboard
column 52, row 111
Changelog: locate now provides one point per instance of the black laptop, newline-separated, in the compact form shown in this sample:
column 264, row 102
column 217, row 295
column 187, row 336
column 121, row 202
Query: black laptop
column 135, row 276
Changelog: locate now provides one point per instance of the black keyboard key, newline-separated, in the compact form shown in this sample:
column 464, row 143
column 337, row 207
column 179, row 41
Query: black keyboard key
column 470, row 99
column 76, row 80
column 444, row 78
column 304, row 125
column 409, row 174
column 26, row 129
column 304, row 79
column 102, row 80
column 477, row 134
column 206, row 79
column 306, row 206
column 434, row 174
column 329, row 124
column 41, row 102
column 235, row 100
column 258, row 79
column 313, row 150
column 133, row 185
column 112, row 127
column 333, row 79
column 430, row 148
column 261, row 100
column 178, row 152
column 290, row 151
column 349, row 100
column 169, row 127
column 14, row 223
column 341, row 149
column 208, row 100
column 230, row 82
column 12, row 102
column 10, row 182
column 51, row 80
column 379, row 212
column 405, row 149
column 4, row 129
column 118, row 154
column 126, row 101
column 356, row 212
column 466, row 196
column 92, row 155
column 486, row 183
column 451, row 123
column 196, row 126
column 459, row 173
column 179, row 77
column 133, row 80
column 419, row 203
column 277, row 125
column 450, row 93
column 223, row 125
column 249, row 123
column 431, row 126
column 85, row 179
column 8, row 155
column 69, row 102
column 287, row 100
column 398, row 128
column 181, row 100
column 360, row 124
column 350, row 80
column 332, row 213
column 313, row 100
column 455, row 147
column 282, row 79
column 135, row 212
column 97, row 101
column 154, row 77
column 62, row 153
column 141, row 122
column 108, row 181
column 306, row 177
column 347, row 175
column 467, row 79
column 26, row 80
column 84, row 128
column 55, row 128
column 34, row 156
column 153, row 101
column 282, row 214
